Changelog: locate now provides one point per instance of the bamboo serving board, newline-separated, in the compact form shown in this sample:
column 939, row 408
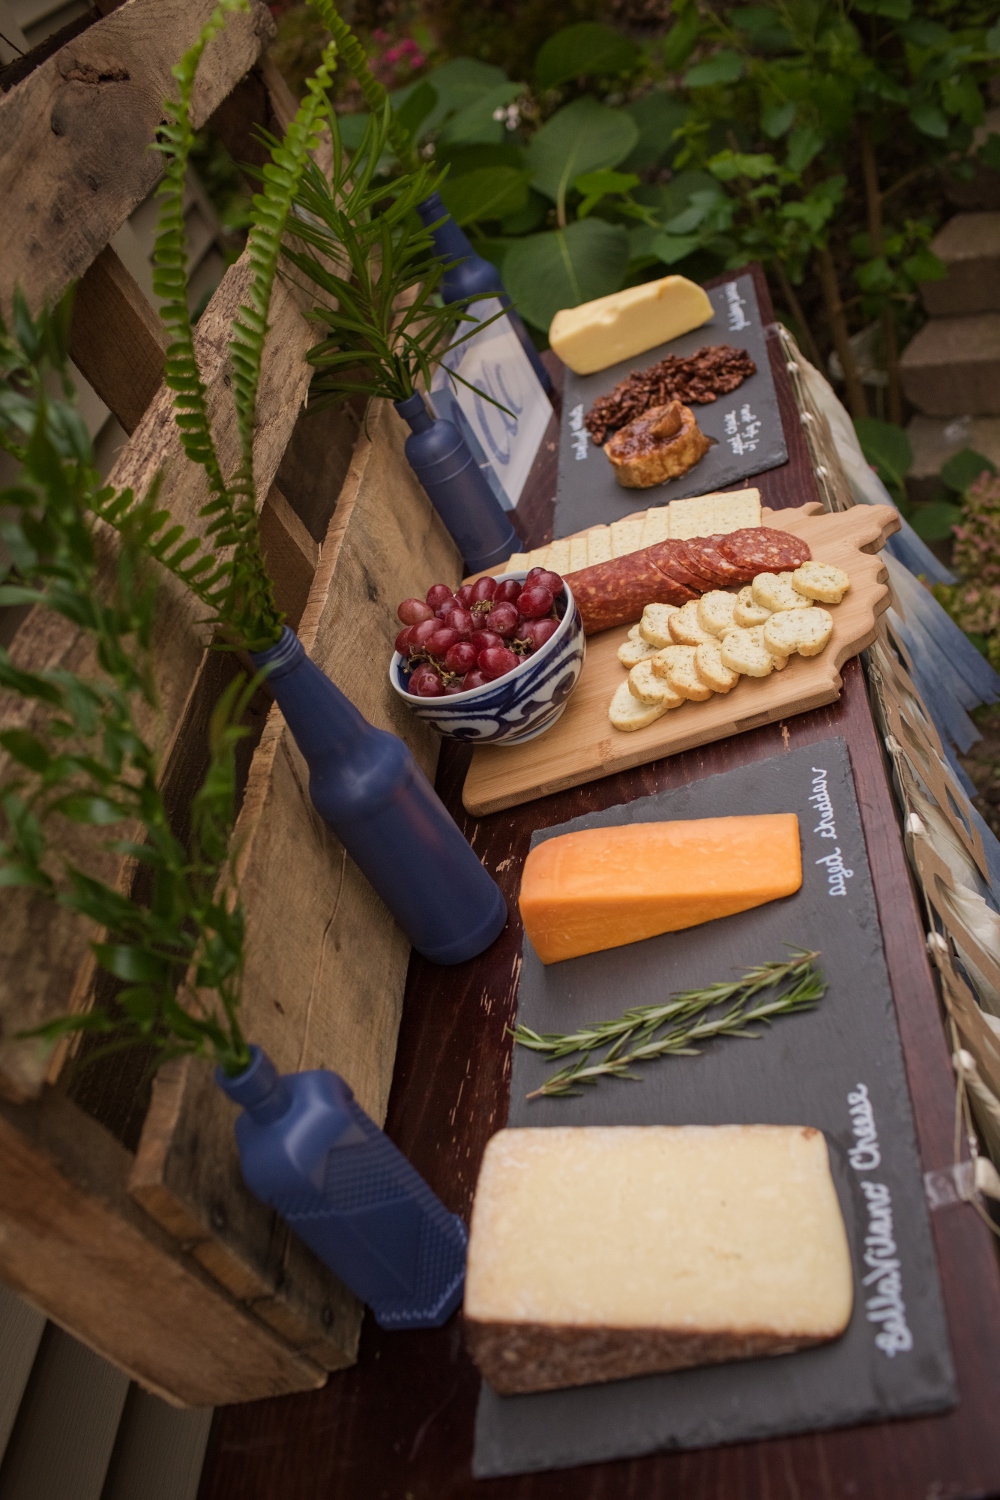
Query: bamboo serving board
column 582, row 746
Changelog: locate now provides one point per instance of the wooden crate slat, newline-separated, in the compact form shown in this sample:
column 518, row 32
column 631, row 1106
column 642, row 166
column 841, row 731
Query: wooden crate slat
column 117, row 339
column 326, row 965
column 42, row 948
column 75, row 135
column 75, row 1245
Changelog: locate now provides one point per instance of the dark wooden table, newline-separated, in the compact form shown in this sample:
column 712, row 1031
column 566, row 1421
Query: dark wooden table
column 399, row 1425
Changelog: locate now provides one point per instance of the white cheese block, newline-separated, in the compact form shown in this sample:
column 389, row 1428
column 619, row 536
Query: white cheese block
column 602, row 1253
column 598, row 334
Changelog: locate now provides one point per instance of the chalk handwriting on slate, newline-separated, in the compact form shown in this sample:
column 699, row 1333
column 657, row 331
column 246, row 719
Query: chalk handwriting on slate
column 742, row 429
column 883, row 1281
column 579, row 432
column 837, row 873
column 734, row 306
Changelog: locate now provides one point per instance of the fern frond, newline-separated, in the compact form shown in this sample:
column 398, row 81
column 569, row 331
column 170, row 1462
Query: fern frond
column 181, row 372
column 372, row 91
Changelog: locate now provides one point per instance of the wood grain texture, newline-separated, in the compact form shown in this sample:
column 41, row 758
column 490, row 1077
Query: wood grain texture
column 116, row 339
column 74, row 1245
column 583, row 744
column 325, row 964
column 75, row 135
column 400, row 1424
column 44, row 963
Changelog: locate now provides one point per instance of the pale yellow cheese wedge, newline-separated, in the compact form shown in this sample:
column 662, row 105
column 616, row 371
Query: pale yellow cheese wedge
column 607, row 1252
column 600, row 333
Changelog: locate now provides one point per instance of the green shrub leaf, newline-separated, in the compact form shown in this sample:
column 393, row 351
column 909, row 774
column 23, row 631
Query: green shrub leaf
column 964, row 468
column 487, row 193
column 930, row 120
column 547, row 272
column 581, row 137
column 657, row 117
column 584, row 50
column 724, row 67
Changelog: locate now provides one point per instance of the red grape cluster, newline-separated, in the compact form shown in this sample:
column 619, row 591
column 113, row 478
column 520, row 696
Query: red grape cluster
column 460, row 641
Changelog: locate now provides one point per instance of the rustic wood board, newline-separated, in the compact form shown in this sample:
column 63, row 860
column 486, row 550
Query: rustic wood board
column 582, row 745
column 75, row 135
column 325, row 963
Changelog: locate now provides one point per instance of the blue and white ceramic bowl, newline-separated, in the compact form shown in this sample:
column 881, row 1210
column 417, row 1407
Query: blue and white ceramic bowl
column 517, row 707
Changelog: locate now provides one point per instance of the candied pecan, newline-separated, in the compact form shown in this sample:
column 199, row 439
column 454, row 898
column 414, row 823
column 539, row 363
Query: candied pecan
column 701, row 377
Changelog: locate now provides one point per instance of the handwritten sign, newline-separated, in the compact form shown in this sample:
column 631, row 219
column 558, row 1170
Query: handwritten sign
column 497, row 403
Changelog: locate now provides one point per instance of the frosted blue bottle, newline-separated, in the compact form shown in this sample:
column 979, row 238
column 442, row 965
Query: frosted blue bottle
column 474, row 275
column 365, row 783
column 308, row 1149
column 457, row 487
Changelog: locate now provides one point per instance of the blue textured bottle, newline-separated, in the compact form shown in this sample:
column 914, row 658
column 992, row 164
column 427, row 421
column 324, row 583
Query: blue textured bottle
column 457, row 488
column 366, row 784
column 308, row 1149
column 473, row 275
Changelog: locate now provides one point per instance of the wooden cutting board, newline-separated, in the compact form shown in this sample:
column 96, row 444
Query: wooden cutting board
column 583, row 746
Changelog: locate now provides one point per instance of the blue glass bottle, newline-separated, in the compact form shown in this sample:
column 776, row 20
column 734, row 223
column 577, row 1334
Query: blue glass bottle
column 308, row 1149
column 472, row 275
column 457, row 488
column 366, row 784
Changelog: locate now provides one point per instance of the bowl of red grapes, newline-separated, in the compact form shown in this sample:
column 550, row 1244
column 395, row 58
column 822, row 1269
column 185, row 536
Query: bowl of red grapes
column 493, row 661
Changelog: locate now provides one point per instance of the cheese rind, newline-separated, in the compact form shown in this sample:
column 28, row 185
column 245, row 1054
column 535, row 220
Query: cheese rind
column 598, row 334
column 601, row 887
column 602, row 1253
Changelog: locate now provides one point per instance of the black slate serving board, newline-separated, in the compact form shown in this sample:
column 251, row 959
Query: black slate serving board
column 838, row 1067
column 746, row 424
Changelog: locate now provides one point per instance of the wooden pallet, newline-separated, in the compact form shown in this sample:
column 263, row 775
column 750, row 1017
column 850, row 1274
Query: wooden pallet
column 583, row 745
column 132, row 1227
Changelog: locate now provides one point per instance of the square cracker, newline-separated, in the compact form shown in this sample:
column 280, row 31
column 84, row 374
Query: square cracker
column 656, row 527
column 626, row 536
column 709, row 515
column 598, row 545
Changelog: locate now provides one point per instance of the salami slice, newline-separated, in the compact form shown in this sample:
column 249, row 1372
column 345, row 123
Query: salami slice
column 616, row 592
column 668, row 558
column 714, row 563
column 691, row 558
column 761, row 549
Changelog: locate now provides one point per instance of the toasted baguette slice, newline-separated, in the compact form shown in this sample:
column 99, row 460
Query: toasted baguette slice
column 627, row 713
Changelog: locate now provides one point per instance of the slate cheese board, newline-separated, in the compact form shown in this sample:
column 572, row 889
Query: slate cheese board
column 745, row 424
column 838, row 1067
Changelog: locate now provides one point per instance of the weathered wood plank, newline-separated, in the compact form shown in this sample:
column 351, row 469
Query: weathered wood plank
column 116, row 339
column 42, row 948
column 75, row 135
column 75, row 1245
column 325, row 964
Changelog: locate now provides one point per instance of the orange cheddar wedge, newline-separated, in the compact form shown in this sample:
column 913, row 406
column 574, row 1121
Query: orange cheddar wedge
column 602, row 887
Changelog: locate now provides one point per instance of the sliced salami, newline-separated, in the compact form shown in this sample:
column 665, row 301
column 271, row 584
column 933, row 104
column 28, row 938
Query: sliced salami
column 710, row 559
column 761, row 549
column 667, row 556
column 616, row 592
column 689, row 556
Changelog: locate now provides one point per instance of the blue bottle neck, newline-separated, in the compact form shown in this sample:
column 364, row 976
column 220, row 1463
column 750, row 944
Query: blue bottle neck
column 260, row 1089
column 319, row 715
column 414, row 411
column 449, row 239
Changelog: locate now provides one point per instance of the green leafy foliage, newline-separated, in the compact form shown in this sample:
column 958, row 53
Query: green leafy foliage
column 974, row 602
column 584, row 50
column 546, row 272
column 582, row 137
column 367, row 252
column 962, row 470
column 85, row 757
column 486, row 193
column 887, row 448
column 235, row 587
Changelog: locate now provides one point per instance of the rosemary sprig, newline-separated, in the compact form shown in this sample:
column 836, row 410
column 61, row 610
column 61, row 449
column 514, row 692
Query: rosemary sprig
column 641, row 1028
